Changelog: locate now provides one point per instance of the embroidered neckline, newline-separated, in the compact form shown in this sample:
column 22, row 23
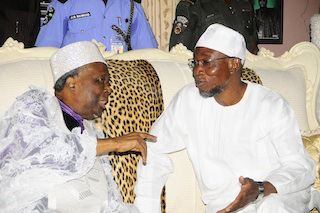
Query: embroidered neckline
column 72, row 113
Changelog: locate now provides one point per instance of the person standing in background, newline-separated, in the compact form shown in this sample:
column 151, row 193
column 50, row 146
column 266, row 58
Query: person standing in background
column 194, row 16
column 120, row 25
column 20, row 19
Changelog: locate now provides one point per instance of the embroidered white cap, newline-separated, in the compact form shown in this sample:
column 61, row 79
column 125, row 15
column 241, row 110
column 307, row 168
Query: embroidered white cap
column 73, row 56
column 225, row 40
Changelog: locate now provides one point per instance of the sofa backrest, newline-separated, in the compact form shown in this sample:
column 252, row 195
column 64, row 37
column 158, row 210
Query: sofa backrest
column 294, row 74
column 20, row 68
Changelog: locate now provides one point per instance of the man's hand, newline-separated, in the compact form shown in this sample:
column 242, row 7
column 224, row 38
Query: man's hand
column 134, row 141
column 249, row 192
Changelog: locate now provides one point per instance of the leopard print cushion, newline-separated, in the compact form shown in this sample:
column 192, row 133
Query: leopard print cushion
column 135, row 103
column 250, row 75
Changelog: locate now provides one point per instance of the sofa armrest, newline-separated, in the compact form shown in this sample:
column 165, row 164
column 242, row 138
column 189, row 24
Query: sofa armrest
column 311, row 141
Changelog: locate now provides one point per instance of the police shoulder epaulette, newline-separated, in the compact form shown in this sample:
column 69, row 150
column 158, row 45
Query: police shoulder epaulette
column 190, row 1
column 62, row 1
column 138, row 1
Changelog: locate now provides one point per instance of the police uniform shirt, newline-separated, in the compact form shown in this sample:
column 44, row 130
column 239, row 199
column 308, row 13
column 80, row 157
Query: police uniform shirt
column 70, row 21
column 194, row 16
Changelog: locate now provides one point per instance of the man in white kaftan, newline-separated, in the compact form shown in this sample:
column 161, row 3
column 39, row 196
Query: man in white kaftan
column 49, row 148
column 242, row 138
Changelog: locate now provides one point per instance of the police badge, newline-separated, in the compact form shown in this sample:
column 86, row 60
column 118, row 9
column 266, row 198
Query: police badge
column 181, row 23
column 50, row 12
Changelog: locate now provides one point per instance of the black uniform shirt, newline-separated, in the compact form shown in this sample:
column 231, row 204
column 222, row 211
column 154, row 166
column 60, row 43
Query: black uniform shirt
column 194, row 16
column 20, row 19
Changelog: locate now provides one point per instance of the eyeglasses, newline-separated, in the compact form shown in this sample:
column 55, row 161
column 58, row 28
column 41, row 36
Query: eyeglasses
column 204, row 63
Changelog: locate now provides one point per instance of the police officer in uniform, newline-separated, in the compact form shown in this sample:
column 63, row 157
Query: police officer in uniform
column 106, row 21
column 194, row 16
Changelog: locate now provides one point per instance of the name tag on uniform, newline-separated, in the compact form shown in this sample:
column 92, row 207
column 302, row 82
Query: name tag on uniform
column 81, row 15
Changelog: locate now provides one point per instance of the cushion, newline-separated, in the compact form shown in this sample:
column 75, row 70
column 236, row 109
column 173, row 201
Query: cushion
column 134, row 104
column 173, row 76
column 312, row 145
column 250, row 75
column 17, row 76
column 311, row 142
column 293, row 90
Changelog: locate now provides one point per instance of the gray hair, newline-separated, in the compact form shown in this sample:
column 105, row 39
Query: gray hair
column 58, row 86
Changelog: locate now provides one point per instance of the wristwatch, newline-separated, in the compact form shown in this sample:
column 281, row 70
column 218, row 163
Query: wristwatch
column 261, row 190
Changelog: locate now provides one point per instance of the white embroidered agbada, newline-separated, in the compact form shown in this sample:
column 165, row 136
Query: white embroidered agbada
column 257, row 138
column 45, row 167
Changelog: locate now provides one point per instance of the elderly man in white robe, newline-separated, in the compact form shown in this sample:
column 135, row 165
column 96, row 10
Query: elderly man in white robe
column 49, row 149
column 242, row 138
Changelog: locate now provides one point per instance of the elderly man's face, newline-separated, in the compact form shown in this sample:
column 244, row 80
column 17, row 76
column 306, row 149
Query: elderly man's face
column 92, row 90
column 211, row 72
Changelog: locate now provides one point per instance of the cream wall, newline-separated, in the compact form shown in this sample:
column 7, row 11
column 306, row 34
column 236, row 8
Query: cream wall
column 296, row 21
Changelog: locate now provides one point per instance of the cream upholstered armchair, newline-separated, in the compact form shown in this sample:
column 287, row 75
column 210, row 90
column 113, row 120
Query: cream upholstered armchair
column 295, row 75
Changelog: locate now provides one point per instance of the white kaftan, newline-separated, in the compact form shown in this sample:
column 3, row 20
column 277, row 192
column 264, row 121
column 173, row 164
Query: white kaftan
column 40, row 157
column 257, row 138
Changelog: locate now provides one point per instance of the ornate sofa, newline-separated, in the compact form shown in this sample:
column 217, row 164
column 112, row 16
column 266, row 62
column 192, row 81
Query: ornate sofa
column 295, row 75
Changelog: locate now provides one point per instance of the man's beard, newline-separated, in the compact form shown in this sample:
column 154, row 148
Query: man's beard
column 215, row 91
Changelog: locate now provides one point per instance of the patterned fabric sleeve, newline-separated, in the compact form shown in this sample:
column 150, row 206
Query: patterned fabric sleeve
column 36, row 154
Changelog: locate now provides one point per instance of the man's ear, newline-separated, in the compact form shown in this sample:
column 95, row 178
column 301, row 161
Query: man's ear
column 70, row 84
column 234, row 65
